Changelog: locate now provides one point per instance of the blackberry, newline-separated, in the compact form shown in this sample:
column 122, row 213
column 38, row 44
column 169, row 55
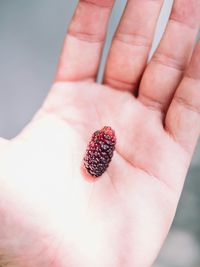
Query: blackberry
column 100, row 151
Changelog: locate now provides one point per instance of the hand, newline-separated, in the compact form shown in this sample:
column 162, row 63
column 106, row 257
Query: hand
column 51, row 214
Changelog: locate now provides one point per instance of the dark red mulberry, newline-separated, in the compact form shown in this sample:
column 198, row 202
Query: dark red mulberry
column 100, row 151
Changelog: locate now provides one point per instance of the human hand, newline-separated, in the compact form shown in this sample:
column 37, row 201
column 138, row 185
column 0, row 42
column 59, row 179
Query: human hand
column 51, row 215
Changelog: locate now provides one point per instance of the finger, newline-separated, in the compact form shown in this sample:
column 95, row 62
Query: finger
column 131, row 44
column 166, row 68
column 183, row 116
column 83, row 44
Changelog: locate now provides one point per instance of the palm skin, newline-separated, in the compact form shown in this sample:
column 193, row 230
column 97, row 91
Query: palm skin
column 119, row 217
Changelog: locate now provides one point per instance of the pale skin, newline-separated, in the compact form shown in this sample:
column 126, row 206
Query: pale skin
column 51, row 214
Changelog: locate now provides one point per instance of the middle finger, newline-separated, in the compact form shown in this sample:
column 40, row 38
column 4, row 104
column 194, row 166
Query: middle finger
column 131, row 44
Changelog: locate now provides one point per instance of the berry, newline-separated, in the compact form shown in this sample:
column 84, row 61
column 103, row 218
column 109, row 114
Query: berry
column 100, row 151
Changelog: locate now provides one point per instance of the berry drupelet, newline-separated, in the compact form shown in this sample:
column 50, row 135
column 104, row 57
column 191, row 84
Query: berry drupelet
column 100, row 151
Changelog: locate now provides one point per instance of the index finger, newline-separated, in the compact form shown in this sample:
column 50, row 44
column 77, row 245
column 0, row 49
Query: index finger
column 84, row 41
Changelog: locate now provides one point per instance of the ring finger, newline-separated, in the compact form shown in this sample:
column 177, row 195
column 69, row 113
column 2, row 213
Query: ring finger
column 168, row 64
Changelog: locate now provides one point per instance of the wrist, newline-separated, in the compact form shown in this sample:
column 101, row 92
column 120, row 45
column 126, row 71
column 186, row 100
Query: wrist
column 23, row 242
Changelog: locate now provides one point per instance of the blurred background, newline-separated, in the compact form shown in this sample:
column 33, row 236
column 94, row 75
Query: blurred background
column 31, row 37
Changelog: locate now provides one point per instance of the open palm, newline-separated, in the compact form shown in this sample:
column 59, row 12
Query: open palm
column 123, row 217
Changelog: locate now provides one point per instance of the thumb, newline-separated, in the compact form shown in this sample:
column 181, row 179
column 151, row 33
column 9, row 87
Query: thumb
column 3, row 142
